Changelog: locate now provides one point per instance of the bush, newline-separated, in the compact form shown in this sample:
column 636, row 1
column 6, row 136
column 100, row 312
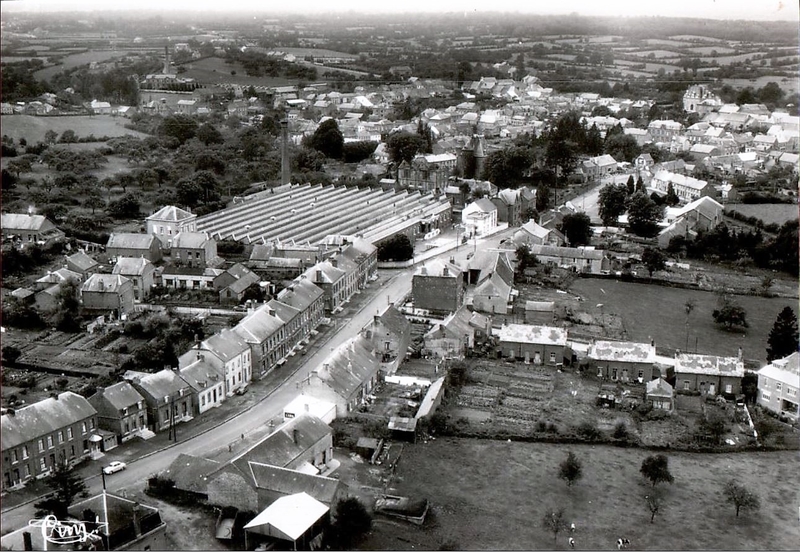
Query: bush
column 621, row 431
column 589, row 431
column 11, row 354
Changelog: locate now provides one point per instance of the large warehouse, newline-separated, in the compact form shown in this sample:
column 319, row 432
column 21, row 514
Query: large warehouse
column 308, row 213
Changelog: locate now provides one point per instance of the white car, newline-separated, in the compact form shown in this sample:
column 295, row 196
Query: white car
column 114, row 467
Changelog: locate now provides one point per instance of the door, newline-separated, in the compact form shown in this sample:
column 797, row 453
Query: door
column 537, row 358
column 711, row 389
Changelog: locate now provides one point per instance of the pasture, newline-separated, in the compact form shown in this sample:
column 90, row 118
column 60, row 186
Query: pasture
column 492, row 495
column 33, row 128
column 658, row 312
column 214, row 70
column 769, row 213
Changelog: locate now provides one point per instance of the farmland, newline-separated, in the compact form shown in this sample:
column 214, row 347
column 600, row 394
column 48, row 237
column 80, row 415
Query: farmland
column 76, row 60
column 493, row 495
column 33, row 128
column 659, row 313
column 768, row 213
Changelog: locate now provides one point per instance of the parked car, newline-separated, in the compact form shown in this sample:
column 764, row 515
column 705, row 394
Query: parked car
column 114, row 467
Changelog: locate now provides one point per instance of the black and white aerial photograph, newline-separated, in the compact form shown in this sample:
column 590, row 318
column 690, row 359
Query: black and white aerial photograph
column 444, row 275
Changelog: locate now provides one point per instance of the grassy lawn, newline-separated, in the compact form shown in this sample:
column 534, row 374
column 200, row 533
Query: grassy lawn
column 33, row 128
column 778, row 213
column 657, row 312
column 493, row 495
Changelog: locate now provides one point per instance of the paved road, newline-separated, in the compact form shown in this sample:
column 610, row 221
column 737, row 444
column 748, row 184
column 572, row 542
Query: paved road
column 256, row 419
column 589, row 201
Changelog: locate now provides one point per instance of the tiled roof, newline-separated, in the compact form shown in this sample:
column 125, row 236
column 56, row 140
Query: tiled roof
column 44, row 417
column 190, row 473
column 160, row 384
column 82, row 260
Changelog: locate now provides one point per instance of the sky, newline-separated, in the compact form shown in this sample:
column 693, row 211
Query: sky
column 752, row 10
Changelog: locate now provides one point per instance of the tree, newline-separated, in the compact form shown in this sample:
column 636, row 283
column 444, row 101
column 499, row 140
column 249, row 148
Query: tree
column 741, row 497
column 672, row 198
column 180, row 127
column 352, row 522
column 750, row 386
column 653, row 501
column 403, row 146
column 653, row 259
column 730, row 314
column 630, row 185
column 622, row 147
column 577, row 227
column 555, row 522
column 328, row 139
column 50, row 136
column 66, row 315
column 612, row 202
column 712, row 425
column 66, row 485
column 525, row 259
column 68, row 137
column 782, row 340
column 644, row 215
column 542, row 197
column 208, row 134
column 397, row 248
column 11, row 354
column 570, row 469
column 126, row 207
column 656, row 469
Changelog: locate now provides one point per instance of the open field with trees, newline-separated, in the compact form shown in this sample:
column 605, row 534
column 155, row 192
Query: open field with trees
column 494, row 494
column 660, row 313
column 33, row 128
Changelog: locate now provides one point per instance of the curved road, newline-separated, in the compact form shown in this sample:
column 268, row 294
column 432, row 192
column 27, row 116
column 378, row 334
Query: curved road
column 254, row 419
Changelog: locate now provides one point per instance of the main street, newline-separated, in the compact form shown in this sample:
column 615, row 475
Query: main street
column 256, row 419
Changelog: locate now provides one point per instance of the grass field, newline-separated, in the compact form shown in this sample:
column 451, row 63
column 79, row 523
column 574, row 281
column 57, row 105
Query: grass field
column 492, row 495
column 769, row 213
column 33, row 129
column 76, row 60
column 214, row 70
column 657, row 312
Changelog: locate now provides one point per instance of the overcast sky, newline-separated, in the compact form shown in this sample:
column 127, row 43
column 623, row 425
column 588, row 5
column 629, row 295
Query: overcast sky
column 754, row 10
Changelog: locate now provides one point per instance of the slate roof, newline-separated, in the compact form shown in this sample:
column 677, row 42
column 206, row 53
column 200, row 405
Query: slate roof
column 300, row 294
column 118, row 396
column 104, row 283
column 287, row 482
column 131, row 266
column 200, row 375
column 160, row 384
column 785, row 370
column 436, row 268
column 82, row 261
column 566, row 252
column 259, row 325
column 43, row 418
column 347, row 368
column 540, row 335
column 190, row 473
column 226, row 344
column 280, row 448
column 22, row 221
column 190, row 240
column 127, row 240
column 59, row 276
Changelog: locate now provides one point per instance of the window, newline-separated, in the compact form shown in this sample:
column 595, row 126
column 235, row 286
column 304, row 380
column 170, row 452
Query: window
column 686, row 385
column 14, row 456
column 27, row 471
column 791, row 391
column 778, row 386
column 72, row 451
column 552, row 357
column 69, row 433
column 614, row 374
column 41, row 445
column 728, row 388
column 42, row 464
column 91, row 423
column 25, row 452
column 60, row 437
column 766, row 396
column 49, row 441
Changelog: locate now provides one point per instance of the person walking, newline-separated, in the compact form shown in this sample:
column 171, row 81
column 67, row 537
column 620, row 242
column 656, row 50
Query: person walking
column 572, row 543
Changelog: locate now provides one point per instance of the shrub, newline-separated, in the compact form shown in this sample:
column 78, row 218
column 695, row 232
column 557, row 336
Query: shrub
column 621, row 431
column 589, row 431
column 541, row 426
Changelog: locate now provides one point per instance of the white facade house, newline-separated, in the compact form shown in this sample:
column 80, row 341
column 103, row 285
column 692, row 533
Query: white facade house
column 779, row 386
column 479, row 217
